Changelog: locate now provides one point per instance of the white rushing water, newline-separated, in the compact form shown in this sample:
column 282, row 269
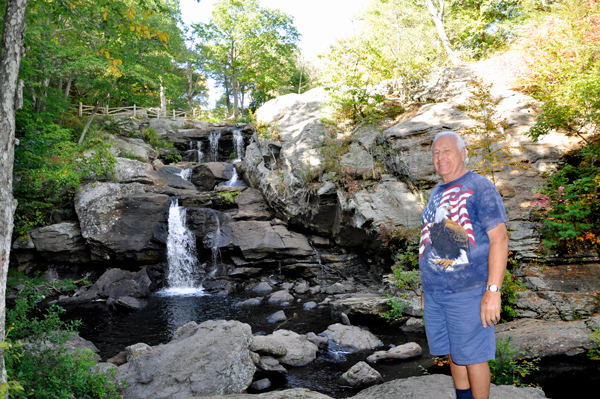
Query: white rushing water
column 238, row 145
column 186, row 174
column 213, row 139
column 199, row 153
column 181, row 255
column 233, row 181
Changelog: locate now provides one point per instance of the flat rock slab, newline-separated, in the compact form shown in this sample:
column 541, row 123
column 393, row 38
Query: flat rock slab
column 439, row 386
column 546, row 338
column 297, row 393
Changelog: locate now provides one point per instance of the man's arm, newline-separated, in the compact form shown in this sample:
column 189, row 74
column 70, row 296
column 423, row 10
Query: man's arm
column 498, row 256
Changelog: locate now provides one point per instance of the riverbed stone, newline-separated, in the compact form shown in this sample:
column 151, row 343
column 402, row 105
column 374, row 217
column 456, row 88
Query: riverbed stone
column 350, row 338
column 413, row 325
column 250, row 302
column 215, row 360
column 438, row 386
column 361, row 375
column 269, row 363
column 401, row 352
column 263, row 288
column 277, row 317
column 541, row 338
column 311, row 305
column 301, row 287
column 130, row 302
column 298, row 350
column 261, row 385
column 281, row 296
column 117, row 283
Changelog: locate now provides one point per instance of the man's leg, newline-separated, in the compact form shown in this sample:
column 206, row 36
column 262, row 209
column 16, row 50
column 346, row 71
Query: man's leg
column 479, row 378
column 461, row 380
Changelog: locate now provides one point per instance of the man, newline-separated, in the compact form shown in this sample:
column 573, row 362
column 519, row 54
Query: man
column 462, row 257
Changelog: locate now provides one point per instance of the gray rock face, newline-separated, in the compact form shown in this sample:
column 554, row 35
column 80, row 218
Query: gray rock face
column 268, row 363
column 361, row 375
column 208, row 175
column 122, row 221
column 131, row 303
column 401, row 352
column 133, row 171
column 287, row 347
column 251, row 205
column 296, row 393
column 546, row 338
column 350, row 338
column 439, row 386
column 212, row 359
column 117, row 283
column 136, row 147
column 61, row 242
column 133, row 351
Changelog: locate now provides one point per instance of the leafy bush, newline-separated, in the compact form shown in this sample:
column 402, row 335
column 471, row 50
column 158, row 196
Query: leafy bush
column 510, row 288
column 510, row 366
column 397, row 308
column 151, row 136
column 594, row 353
column 43, row 367
column 406, row 280
column 49, row 166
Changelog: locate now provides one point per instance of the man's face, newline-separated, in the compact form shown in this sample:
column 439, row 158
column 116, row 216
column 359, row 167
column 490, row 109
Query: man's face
column 448, row 161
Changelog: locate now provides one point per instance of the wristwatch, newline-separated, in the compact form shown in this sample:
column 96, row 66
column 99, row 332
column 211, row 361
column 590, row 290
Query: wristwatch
column 492, row 288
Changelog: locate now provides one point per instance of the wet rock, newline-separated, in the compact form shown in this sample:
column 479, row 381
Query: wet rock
column 250, row 302
column 122, row 222
column 401, row 352
column 61, row 242
column 281, row 296
column 296, row 393
column 336, row 288
column 413, row 325
column 117, row 283
column 118, row 359
column 136, row 350
column 208, row 175
column 298, row 350
column 268, row 363
column 350, row 338
column 301, row 287
column 130, row 303
column 251, row 205
column 315, row 290
column 261, row 385
column 439, row 386
column 542, row 338
column 213, row 360
column 310, row 305
column 318, row 340
column 277, row 317
column 361, row 375
column 263, row 288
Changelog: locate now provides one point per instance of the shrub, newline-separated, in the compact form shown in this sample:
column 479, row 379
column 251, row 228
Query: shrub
column 510, row 366
column 397, row 308
column 151, row 136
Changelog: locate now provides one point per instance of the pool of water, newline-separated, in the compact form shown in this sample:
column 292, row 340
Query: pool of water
column 561, row 377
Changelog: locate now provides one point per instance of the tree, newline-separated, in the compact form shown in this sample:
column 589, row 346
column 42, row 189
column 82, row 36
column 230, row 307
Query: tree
column 437, row 8
column 247, row 47
column 13, row 34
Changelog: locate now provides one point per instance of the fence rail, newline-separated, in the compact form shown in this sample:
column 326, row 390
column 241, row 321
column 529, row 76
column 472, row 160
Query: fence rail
column 135, row 111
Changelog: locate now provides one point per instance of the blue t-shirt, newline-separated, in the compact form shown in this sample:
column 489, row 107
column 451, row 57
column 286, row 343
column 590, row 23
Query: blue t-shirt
column 454, row 247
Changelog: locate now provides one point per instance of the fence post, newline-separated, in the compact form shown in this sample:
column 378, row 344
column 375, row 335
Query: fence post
column 80, row 109
column 158, row 113
column 173, row 112
column 194, row 113
column 134, row 110
column 106, row 109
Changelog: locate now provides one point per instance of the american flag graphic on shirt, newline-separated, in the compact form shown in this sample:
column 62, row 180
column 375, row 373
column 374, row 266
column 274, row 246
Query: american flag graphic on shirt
column 457, row 200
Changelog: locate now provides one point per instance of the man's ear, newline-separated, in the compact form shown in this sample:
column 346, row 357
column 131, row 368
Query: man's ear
column 463, row 154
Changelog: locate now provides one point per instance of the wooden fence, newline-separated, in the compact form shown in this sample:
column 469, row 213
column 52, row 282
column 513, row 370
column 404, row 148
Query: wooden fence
column 135, row 111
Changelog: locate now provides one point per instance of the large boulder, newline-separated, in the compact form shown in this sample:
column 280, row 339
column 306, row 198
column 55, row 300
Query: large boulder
column 251, row 205
column 350, row 338
column 287, row 347
column 438, row 386
column 122, row 222
column 207, row 175
column 61, row 242
column 202, row 360
column 361, row 375
column 132, row 147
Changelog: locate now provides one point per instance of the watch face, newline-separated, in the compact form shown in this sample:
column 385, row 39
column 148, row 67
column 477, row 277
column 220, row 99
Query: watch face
column 493, row 288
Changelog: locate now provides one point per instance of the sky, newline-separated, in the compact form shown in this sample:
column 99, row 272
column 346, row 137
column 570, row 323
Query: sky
column 319, row 22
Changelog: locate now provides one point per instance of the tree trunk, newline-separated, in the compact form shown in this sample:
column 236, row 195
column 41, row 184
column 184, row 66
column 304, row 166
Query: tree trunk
column 91, row 118
column 235, row 89
column 300, row 82
column 227, row 93
column 438, row 20
column 68, row 88
column 163, row 100
column 12, row 51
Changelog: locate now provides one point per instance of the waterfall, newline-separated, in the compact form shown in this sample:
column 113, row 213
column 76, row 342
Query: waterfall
column 181, row 254
column 186, row 174
column 214, row 247
column 238, row 145
column 318, row 256
column 199, row 153
column 234, row 180
column 214, row 138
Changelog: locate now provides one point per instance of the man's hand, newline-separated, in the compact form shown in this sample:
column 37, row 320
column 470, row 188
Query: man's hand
column 490, row 309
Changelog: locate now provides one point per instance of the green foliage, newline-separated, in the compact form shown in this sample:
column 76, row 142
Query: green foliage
column 510, row 366
column 151, row 136
column 49, row 166
column 130, row 155
column 408, row 259
column 486, row 138
column 44, row 368
column 172, row 157
column 406, row 280
column 594, row 353
column 228, row 197
column 510, row 293
column 396, row 237
column 397, row 308
column 331, row 150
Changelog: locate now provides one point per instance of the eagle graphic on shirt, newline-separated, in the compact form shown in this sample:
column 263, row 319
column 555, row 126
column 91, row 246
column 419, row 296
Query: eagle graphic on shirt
column 447, row 228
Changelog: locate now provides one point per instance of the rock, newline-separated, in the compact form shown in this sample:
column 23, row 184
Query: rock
column 301, row 287
column 541, row 338
column 350, row 338
column 318, row 340
column 361, row 375
column 75, row 343
column 261, row 385
column 251, row 205
column 413, row 325
column 136, row 350
column 268, row 363
column 122, row 222
column 438, row 386
column 132, row 147
column 345, row 319
column 61, row 242
column 277, row 317
column 118, row 359
column 263, row 288
column 315, row 290
column 335, row 288
column 310, row 305
column 213, row 360
column 401, row 352
column 117, row 283
column 298, row 350
column 296, row 393
column 208, row 175
column 281, row 296
column 250, row 302
column 133, row 171
column 357, row 160
column 170, row 176
column 130, row 303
